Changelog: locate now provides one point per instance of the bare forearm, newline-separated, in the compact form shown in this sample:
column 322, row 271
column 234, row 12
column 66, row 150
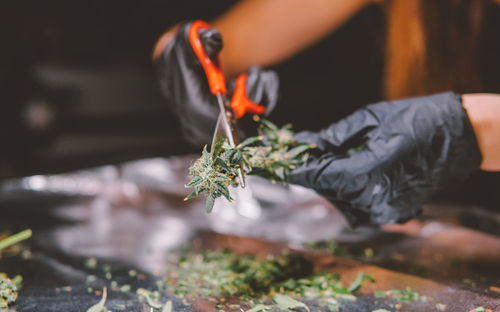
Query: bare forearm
column 264, row 32
column 484, row 114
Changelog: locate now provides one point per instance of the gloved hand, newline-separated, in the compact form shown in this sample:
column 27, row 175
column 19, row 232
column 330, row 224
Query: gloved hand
column 412, row 148
column 185, row 87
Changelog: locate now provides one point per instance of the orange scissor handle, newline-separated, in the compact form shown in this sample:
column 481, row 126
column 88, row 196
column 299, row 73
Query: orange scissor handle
column 214, row 73
column 240, row 103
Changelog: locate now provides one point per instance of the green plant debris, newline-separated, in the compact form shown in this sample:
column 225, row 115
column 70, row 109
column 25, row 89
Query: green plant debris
column 222, row 274
column 368, row 253
column 260, row 308
column 419, row 270
column 151, row 298
column 99, row 307
column 441, row 307
column 288, row 303
column 379, row 293
column 455, row 263
column 329, row 247
column 125, row 288
column 119, row 307
column 91, row 263
column 381, row 310
column 91, row 278
column 14, row 239
column 8, row 290
column 480, row 309
column 360, row 278
column 468, row 281
column 404, row 295
column 272, row 154
column 167, row 307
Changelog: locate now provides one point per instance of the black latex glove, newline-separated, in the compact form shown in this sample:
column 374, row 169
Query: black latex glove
column 412, row 148
column 185, row 87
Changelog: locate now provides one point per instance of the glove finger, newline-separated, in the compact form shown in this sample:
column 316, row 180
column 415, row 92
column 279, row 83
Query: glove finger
column 347, row 133
column 262, row 88
column 185, row 87
column 355, row 183
column 212, row 42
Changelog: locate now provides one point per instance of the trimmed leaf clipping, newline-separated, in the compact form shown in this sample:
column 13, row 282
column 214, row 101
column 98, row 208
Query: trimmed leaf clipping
column 288, row 303
column 99, row 307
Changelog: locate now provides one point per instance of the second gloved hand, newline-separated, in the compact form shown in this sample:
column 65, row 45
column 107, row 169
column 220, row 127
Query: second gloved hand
column 380, row 164
column 184, row 84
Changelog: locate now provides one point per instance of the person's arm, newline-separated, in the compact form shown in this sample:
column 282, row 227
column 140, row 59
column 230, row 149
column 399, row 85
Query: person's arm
column 484, row 114
column 265, row 32
column 384, row 161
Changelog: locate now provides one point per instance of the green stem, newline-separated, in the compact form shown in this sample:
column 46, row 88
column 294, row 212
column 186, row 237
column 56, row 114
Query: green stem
column 16, row 238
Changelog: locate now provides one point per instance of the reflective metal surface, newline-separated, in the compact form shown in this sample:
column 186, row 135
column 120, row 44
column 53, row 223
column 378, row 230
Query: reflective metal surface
column 135, row 213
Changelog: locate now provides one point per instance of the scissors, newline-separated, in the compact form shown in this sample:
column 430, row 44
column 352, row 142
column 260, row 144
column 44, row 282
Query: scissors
column 229, row 111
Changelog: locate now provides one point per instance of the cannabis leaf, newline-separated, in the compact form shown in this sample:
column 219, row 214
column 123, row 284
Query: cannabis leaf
column 272, row 154
column 288, row 303
column 167, row 307
column 99, row 307
column 360, row 278
column 150, row 298
column 259, row 308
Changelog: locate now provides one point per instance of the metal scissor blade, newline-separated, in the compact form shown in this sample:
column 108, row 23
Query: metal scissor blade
column 219, row 137
column 222, row 132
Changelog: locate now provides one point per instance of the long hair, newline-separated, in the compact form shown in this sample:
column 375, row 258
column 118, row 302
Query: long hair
column 432, row 46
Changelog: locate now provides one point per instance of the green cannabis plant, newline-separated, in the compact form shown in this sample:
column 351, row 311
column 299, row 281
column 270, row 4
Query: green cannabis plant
column 272, row 154
column 216, row 274
column 8, row 290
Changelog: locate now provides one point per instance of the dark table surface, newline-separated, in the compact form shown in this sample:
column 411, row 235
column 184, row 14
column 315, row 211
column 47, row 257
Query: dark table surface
column 132, row 217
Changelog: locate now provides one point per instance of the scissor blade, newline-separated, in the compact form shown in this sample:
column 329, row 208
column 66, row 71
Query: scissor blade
column 219, row 137
column 223, row 131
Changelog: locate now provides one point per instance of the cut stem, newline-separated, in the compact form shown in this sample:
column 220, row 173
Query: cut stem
column 16, row 238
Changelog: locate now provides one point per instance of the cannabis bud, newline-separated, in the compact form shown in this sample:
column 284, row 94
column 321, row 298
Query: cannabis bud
column 8, row 291
column 272, row 154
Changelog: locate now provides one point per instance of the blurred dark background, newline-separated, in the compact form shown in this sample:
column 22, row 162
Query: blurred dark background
column 77, row 87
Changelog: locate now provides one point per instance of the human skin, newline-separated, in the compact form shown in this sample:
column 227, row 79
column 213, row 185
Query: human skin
column 484, row 113
column 265, row 32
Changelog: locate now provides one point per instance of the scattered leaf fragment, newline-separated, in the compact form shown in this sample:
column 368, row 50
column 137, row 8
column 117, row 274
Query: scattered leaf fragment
column 368, row 253
column 119, row 307
column 360, row 278
column 441, row 307
column 480, row 309
column 288, row 303
column 407, row 294
column 91, row 263
column 259, row 308
column 167, row 307
column 148, row 295
column 379, row 293
column 381, row 310
column 99, row 307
